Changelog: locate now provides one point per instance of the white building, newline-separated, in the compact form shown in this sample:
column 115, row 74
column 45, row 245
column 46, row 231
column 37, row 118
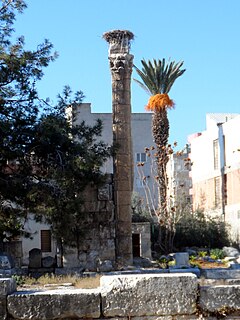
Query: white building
column 141, row 138
column 215, row 157
column 179, row 181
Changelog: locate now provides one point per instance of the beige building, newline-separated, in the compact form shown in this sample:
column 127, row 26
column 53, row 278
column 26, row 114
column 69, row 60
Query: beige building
column 215, row 170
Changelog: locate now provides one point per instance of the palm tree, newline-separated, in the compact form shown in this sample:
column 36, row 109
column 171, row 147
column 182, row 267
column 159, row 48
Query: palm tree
column 157, row 79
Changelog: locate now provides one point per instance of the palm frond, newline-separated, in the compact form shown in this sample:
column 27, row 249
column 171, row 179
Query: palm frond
column 158, row 76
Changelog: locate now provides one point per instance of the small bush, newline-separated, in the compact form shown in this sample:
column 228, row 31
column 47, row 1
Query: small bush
column 217, row 254
column 202, row 254
column 20, row 280
column 198, row 230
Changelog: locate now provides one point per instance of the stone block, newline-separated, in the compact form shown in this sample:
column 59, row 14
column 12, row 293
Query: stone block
column 195, row 271
column 48, row 262
column 54, row 304
column 7, row 273
column 221, row 273
column 7, row 285
column 6, row 261
column 182, row 260
column 35, row 258
column 105, row 192
column 219, row 298
column 152, row 318
column 149, row 295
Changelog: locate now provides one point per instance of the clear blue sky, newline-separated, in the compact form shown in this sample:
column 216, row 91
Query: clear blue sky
column 203, row 33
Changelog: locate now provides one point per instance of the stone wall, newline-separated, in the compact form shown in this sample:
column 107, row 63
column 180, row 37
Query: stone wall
column 124, row 297
column 14, row 248
column 96, row 251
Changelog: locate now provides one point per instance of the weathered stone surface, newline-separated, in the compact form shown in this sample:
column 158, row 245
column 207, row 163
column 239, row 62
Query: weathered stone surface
column 182, row 259
column 105, row 266
column 221, row 273
column 6, row 261
column 7, row 285
column 7, row 273
column 104, row 192
column 149, row 295
column 219, row 298
column 195, row 271
column 55, row 304
column 231, row 252
column 48, row 262
column 152, row 318
column 35, row 258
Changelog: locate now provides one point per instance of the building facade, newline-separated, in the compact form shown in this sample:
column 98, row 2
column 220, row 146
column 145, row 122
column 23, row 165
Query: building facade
column 141, row 127
column 179, row 179
column 215, row 169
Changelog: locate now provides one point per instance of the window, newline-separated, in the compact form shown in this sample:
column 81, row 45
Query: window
column 225, row 190
column 238, row 214
column 141, row 157
column 215, row 155
column 224, row 151
column 46, row 245
column 217, row 192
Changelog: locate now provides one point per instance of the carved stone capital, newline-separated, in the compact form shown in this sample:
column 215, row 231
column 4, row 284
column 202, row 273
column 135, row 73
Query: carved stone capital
column 121, row 63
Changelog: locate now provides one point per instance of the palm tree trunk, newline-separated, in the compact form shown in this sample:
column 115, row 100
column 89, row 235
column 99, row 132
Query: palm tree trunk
column 160, row 130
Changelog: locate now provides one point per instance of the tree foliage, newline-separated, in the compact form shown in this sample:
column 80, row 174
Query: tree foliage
column 45, row 160
column 158, row 76
column 199, row 230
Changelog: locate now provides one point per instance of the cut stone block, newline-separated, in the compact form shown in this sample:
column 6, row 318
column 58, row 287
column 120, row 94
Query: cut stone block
column 220, row 298
column 182, row 260
column 221, row 273
column 148, row 294
column 7, row 286
column 55, row 304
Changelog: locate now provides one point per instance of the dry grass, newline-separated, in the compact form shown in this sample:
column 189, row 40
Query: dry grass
column 56, row 281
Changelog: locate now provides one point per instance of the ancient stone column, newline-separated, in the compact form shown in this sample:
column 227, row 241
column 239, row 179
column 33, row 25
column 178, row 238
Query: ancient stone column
column 121, row 62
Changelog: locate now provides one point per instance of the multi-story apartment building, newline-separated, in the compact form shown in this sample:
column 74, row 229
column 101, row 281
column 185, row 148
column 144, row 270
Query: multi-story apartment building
column 215, row 170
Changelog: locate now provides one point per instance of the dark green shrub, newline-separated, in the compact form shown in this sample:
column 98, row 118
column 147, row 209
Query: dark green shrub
column 199, row 230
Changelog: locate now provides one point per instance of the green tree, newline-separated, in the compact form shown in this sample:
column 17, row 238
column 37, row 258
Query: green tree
column 45, row 161
column 157, row 79
column 199, row 230
column 19, row 110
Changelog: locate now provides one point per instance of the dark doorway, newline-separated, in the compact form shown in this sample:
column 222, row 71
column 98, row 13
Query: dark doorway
column 136, row 244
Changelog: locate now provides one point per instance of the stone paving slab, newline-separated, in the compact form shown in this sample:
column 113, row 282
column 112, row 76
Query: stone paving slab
column 220, row 273
column 149, row 295
column 53, row 304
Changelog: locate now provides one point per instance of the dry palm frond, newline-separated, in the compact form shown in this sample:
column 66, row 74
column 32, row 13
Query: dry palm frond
column 159, row 102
